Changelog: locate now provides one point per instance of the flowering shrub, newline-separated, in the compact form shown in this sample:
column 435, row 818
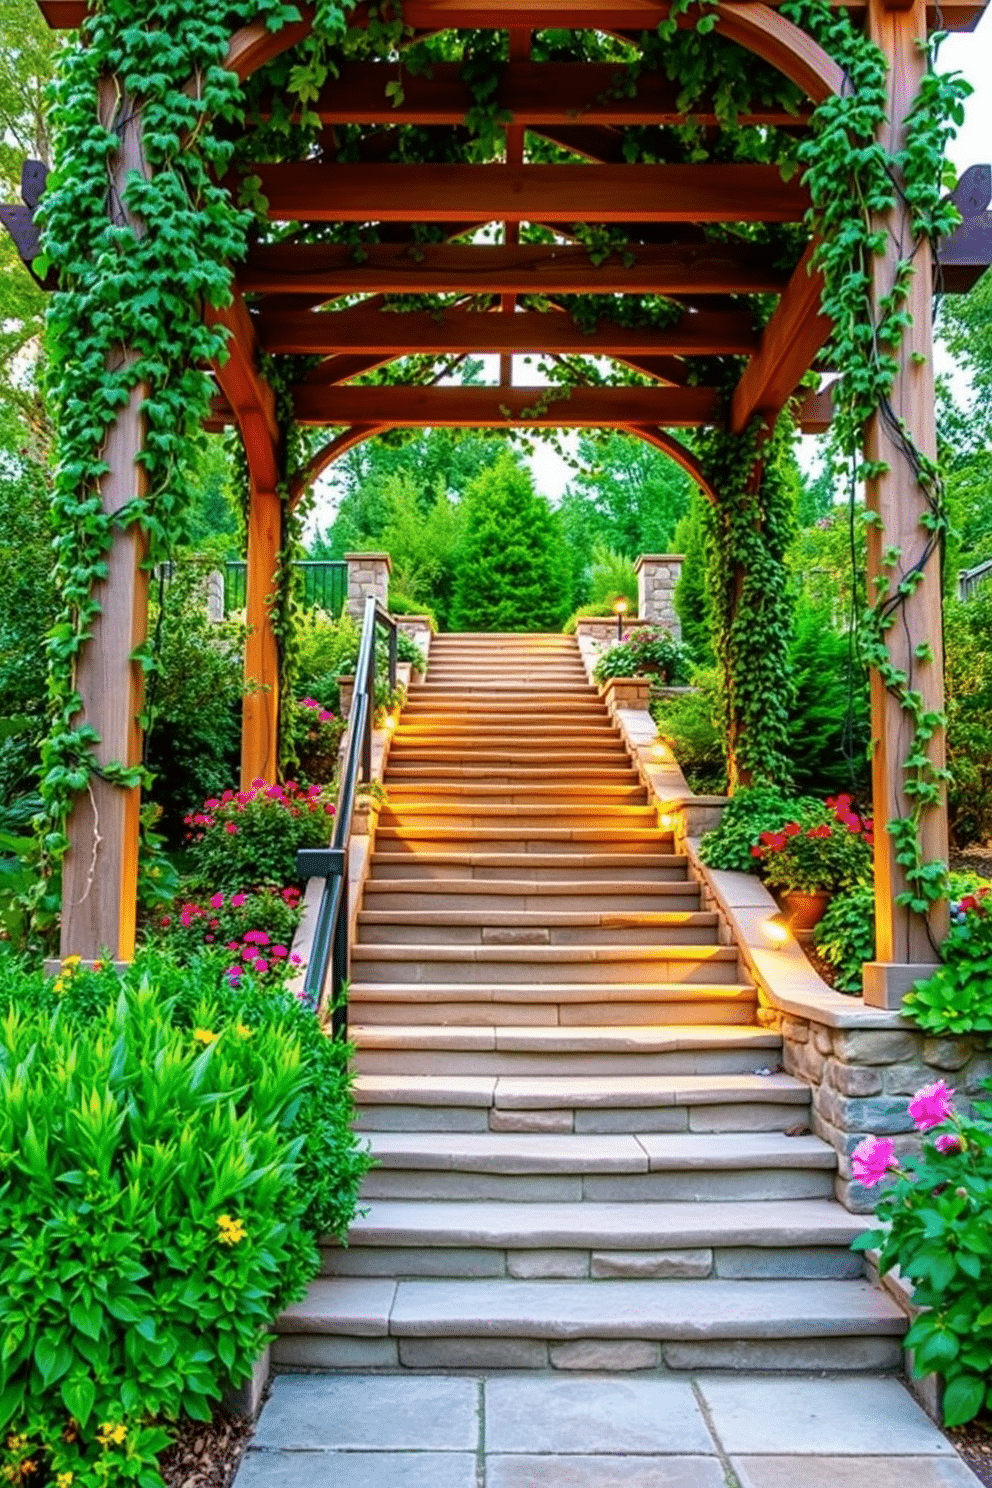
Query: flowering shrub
column 649, row 651
column 754, row 810
column 958, row 997
column 150, row 1224
column 823, row 856
column 316, row 737
column 938, row 1218
column 257, row 929
column 249, row 839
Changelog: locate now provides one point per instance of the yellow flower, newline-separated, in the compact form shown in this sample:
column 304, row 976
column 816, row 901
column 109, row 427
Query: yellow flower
column 231, row 1230
column 72, row 962
column 111, row 1435
column 15, row 1442
column 245, row 1033
column 205, row 1036
column 63, row 1480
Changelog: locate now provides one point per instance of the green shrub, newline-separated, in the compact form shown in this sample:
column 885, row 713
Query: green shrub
column 829, row 725
column 402, row 604
column 249, row 839
column 316, row 738
column 651, row 650
column 592, row 611
column 612, row 576
column 968, row 680
column 937, row 1218
column 750, row 812
column 255, row 928
column 407, row 650
column 829, row 853
column 689, row 725
column 326, row 649
column 150, row 1225
column 958, row 997
column 845, row 937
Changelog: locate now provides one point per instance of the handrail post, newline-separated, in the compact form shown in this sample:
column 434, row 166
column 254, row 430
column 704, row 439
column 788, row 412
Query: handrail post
column 393, row 645
column 339, row 962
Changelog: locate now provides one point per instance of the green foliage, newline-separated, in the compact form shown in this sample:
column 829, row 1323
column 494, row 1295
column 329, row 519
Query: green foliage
column 635, row 495
column 151, row 1222
column 692, row 601
column 750, row 598
column 27, row 609
column 509, row 569
column 325, row 650
column 402, row 604
column 224, row 920
column 827, row 852
column 958, row 997
column 690, row 726
column 194, row 698
column 845, row 937
column 968, row 682
column 829, row 723
column 749, row 812
column 648, row 651
column 937, row 1219
column 316, row 738
column 250, row 839
column 612, row 576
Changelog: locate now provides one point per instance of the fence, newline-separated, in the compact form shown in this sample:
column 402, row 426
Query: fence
column 325, row 585
column 970, row 578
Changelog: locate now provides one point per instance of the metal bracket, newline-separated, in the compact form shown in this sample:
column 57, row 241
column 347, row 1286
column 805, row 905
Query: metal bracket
column 19, row 220
column 320, row 862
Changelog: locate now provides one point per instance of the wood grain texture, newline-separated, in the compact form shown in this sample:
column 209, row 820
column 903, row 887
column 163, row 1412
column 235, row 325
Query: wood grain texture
column 789, row 345
column 498, row 407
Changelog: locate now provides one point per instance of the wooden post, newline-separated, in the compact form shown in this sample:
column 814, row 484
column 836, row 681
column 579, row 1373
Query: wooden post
column 260, row 715
column 905, row 946
column 100, row 870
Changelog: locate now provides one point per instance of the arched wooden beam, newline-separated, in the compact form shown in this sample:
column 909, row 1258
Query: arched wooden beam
column 677, row 451
column 327, row 454
column 790, row 50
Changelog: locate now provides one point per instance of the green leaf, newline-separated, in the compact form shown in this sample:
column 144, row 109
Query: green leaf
column 963, row 1399
column 79, row 1397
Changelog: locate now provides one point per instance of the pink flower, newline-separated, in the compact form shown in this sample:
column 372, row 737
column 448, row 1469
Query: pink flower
column 233, row 974
column 274, row 792
column 210, row 939
column 230, row 829
column 931, row 1105
column 325, row 717
column 217, row 902
column 165, row 920
column 309, row 703
column 949, row 1142
column 258, row 783
column 212, row 804
column 231, row 945
column 257, row 937
column 248, row 953
column 295, row 961
column 260, row 966
column 237, row 900
column 872, row 1159
column 278, row 952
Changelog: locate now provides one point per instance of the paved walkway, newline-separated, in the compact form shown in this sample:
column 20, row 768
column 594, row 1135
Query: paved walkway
column 596, row 1431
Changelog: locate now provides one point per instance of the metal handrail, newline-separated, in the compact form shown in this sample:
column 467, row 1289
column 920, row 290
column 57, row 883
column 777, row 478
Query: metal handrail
column 329, row 949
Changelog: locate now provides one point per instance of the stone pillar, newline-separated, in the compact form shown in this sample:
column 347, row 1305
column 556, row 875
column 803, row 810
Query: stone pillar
column 368, row 573
column 657, row 575
column 213, row 590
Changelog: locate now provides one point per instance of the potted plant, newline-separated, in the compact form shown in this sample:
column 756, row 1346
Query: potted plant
column 650, row 651
column 809, row 861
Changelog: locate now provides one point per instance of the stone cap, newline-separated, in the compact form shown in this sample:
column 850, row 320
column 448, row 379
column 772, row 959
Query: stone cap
column 658, row 558
column 364, row 557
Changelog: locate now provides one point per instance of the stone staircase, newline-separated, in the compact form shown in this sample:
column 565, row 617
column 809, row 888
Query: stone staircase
column 587, row 1156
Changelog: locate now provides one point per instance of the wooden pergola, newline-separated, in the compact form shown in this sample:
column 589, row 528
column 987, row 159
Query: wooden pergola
column 283, row 288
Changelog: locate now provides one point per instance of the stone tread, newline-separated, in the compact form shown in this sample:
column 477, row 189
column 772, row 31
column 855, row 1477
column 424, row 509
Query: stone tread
column 634, row 861
column 543, row 954
column 553, row 992
column 523, row 888
column 524, row 1153
column 421, row 832
column 610, row 919
column 641, row 1039
column 604, row 1309
column 552, row 1092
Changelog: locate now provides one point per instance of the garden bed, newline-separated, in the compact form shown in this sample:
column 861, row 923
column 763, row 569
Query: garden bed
column 206, row 1454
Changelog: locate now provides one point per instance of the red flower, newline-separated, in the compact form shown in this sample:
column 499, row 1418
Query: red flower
column 792, row 829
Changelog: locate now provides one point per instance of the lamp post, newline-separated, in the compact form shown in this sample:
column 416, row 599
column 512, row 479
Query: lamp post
column 620, row 609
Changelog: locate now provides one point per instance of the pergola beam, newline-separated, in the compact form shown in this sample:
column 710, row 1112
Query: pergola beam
column 791, row 340
column 709, row 333
column 314, row 192
column 503, row 407
column 328, row 270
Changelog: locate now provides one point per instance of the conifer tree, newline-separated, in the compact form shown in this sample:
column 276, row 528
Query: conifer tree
column 691, row 597
column 511, row 571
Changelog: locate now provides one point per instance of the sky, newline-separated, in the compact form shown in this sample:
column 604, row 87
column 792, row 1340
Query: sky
column 966, row 52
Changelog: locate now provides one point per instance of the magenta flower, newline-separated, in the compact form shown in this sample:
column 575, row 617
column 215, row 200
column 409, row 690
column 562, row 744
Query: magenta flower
column 217, row 902
column 248, row 953
column 309, row 703
column 931, row 1105
column 326, row 717
column 274, row 793
column 230, row 829
column 237, row 900
column 258, row 783
column 872, row 1159
column 949, row 1142
column 260, row 966
column 278, row 952
column 257, row 937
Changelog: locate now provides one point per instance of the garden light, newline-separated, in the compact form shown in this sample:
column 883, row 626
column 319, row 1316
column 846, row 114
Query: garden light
column 620, row 609
column 389, row 721
column 667, row 822
column 776, row 929
column 661, row 751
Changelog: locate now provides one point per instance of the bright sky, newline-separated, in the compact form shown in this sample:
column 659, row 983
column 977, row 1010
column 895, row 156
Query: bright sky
column 969, row 53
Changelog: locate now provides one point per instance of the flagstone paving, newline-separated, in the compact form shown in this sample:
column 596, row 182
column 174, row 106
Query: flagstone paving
column 510, row 1430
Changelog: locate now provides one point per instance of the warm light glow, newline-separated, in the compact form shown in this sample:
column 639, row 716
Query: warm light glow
column 390, row 721
column 667, row 822
column 620, row 608
column 776, row 930
column 660, row 751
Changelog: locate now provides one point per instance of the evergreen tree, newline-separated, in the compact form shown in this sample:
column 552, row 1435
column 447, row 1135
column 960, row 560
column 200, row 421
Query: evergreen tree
column 511, row 574
column 692, row 602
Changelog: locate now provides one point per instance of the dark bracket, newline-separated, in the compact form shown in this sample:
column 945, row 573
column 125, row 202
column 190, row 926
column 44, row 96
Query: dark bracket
column 963, row 257
column 19, row 220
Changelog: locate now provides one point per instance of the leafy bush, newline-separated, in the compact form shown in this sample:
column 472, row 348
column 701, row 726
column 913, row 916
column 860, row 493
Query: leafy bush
column 249, row 839
column 845, row 937
column 968, row 680
column 150, row 1224
column 407, row 650
column 750, row 812
column 326, row 649
column 253, row 927
column 938, row 1231
column 829, row 725
column 612, row 576
column 826, row 855
column 958, row 997
column 689, row 726
column 402, row 604
column 650, row 650
column 316, row 739
column 587, row 611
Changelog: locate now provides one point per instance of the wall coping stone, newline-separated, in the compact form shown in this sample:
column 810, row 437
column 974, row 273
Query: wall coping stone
column 376, row 557
column 657, row 558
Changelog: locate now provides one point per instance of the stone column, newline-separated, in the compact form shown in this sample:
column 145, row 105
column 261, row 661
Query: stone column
column 368, row 573
column 213, row 590
column 657, row 575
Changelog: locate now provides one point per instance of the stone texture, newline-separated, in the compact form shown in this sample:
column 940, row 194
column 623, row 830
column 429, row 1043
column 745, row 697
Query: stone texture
column 870, row 1046
column 652, row 1263
column 853, row 1472
column 530, row 1121
column 854, row 1079
column 473, row 1353
column 358, row 1470
column 306, row 1351
column 601, row 1353
column 657, row 576
column 370, row 1412
column 947, row 1053
column 599, row 1415
column 805, row 1417
column 547, row 1265
column 853, row 1354
column 605, row 1472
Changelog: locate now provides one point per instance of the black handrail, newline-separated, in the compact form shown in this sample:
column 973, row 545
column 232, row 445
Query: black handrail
column 329, row 948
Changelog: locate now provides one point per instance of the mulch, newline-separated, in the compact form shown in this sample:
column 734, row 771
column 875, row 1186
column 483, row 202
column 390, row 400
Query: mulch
column 974, row 1442
column 206, row 1454
column 974, row 859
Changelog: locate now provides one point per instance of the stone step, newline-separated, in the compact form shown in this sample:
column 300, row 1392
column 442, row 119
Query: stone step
column 595, row 1049
column 455, row 924
column 544, row 840
column 499, row 964
column 574, row 777
column 543, row 1005
column 609, row 1324
column 442, row 864
column 403, row 793
column 443, row 712
column 497, row 811
column 523, row 896
column 594, row 1103
column 611, row 754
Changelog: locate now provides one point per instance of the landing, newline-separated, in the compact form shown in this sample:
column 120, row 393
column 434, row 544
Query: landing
column 596, row 1431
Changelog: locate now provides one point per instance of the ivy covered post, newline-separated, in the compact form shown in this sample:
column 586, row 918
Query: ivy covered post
column 260, row 715
column 905, row 640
